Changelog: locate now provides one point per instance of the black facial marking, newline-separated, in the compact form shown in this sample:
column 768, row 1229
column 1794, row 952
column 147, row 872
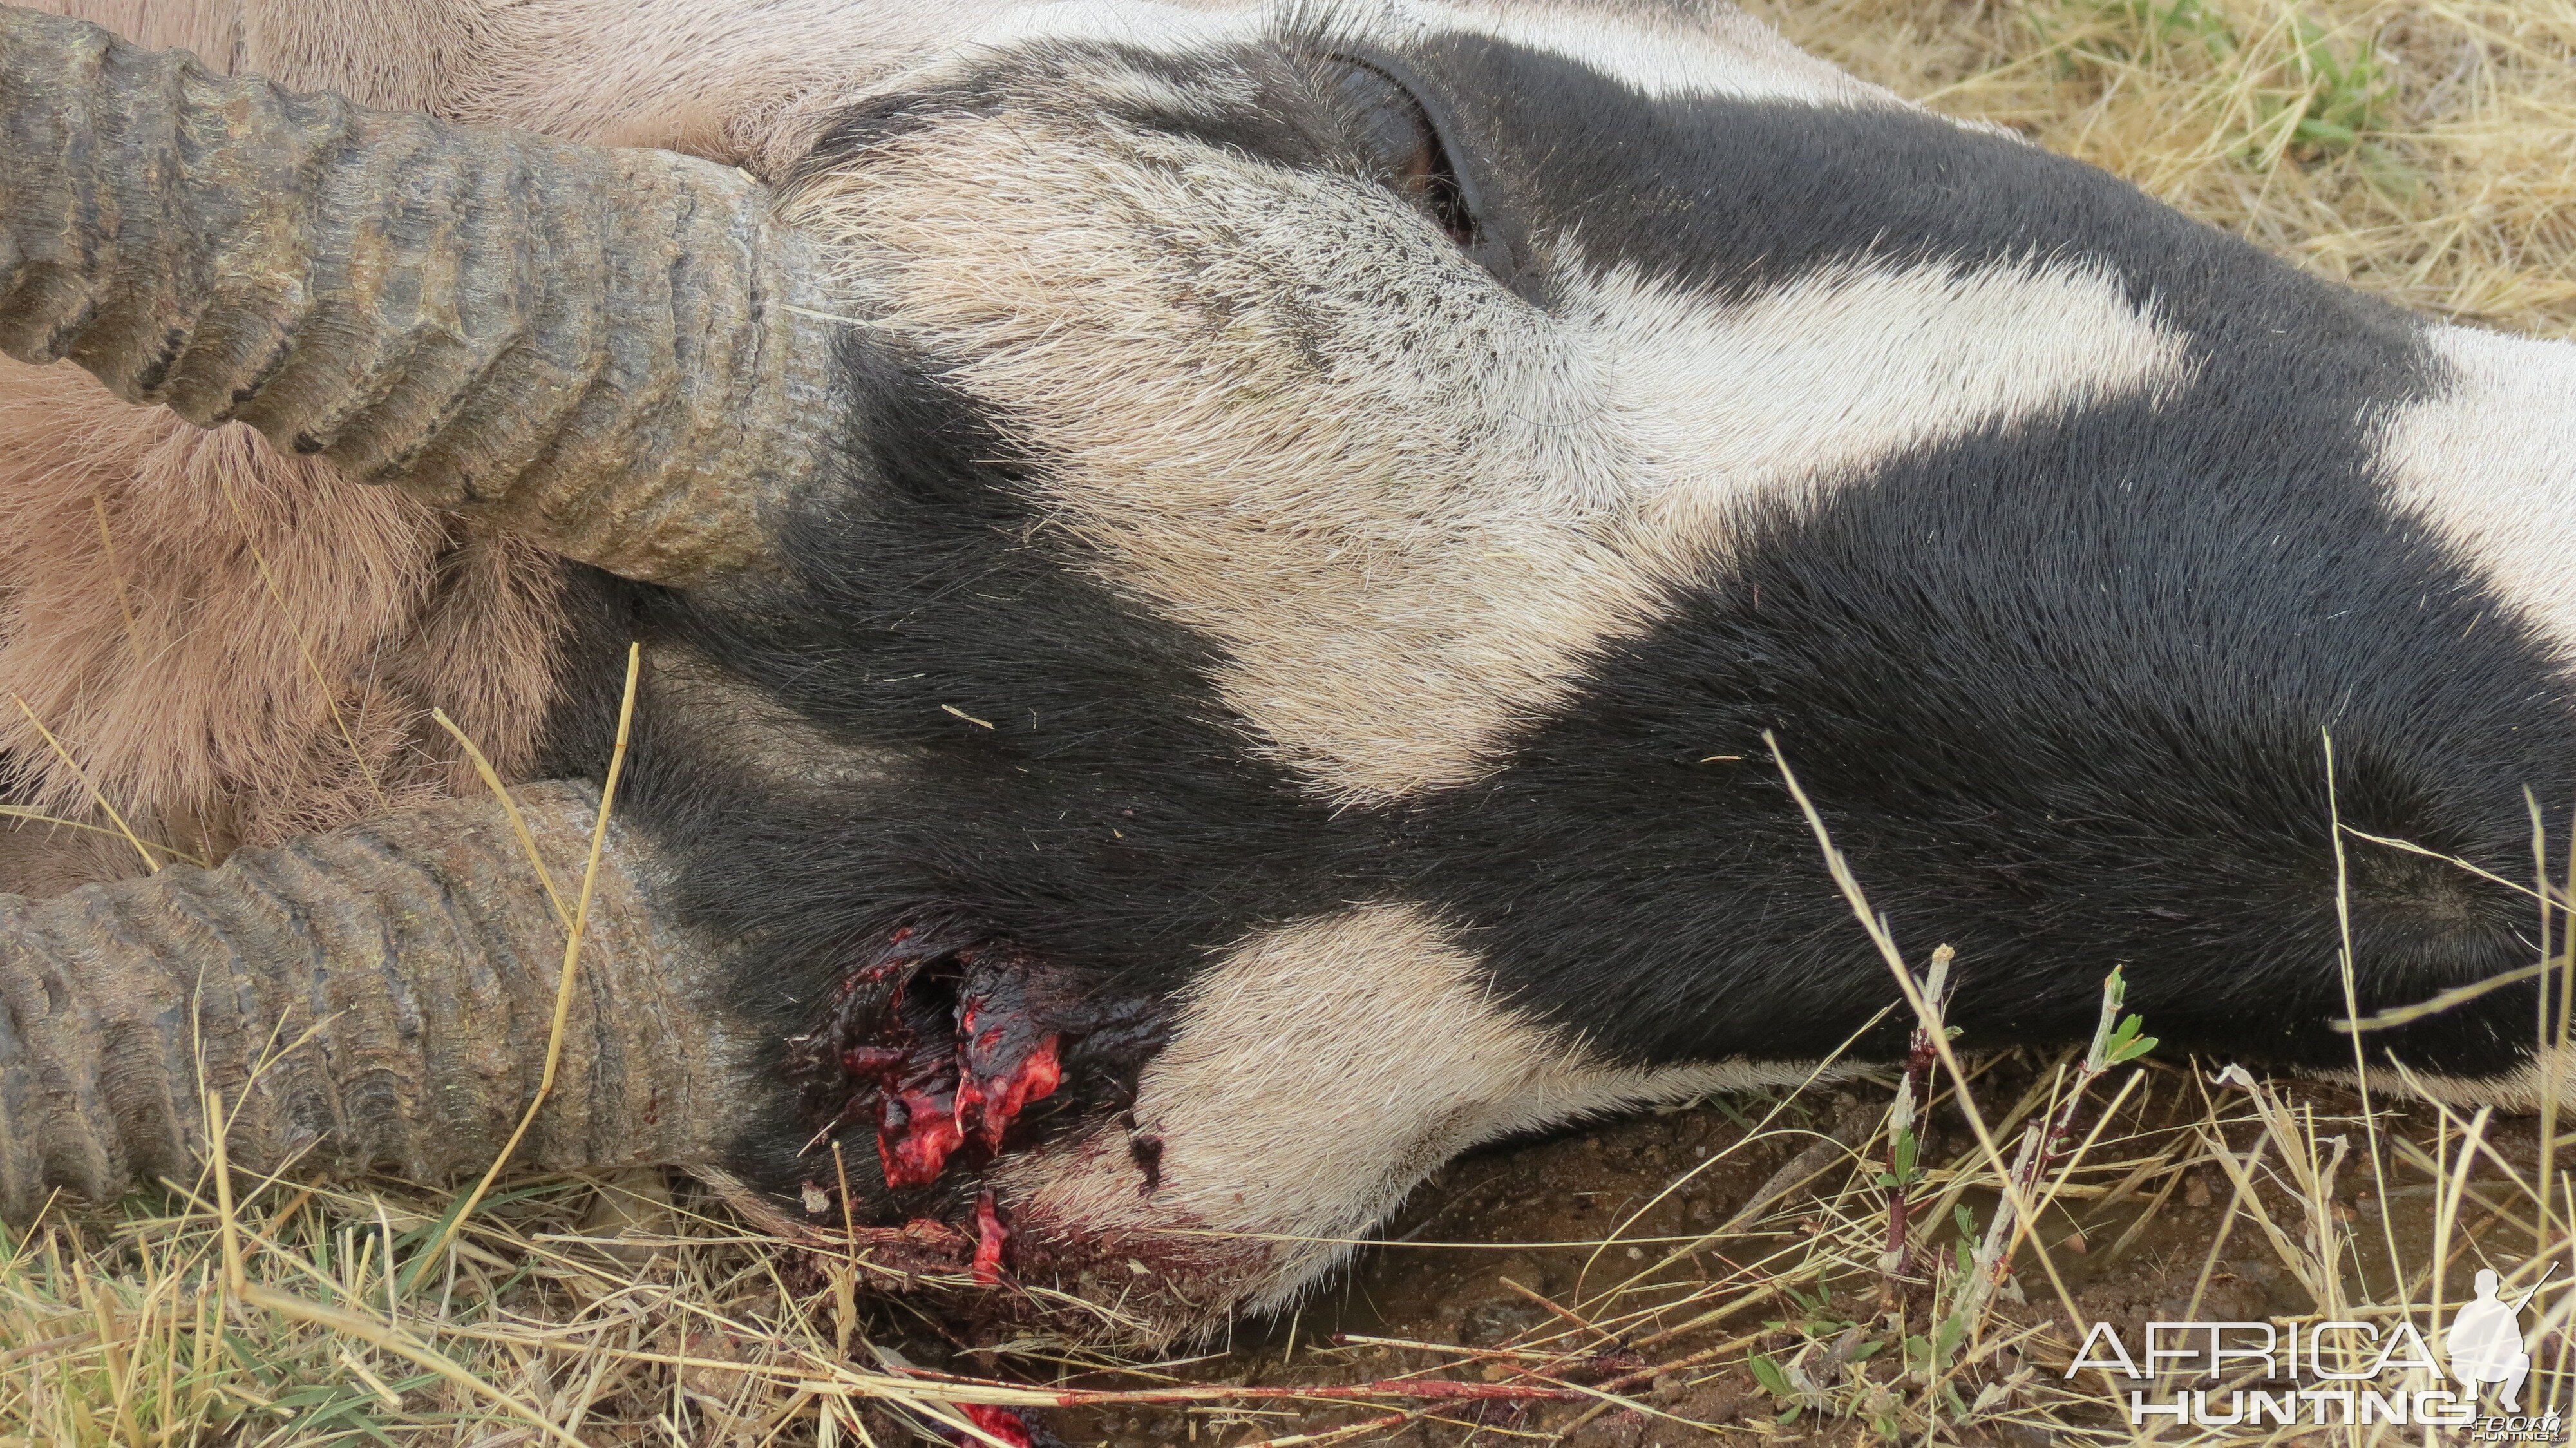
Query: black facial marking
column 2061, row 713
column 2061, row 688
column 1050, row 762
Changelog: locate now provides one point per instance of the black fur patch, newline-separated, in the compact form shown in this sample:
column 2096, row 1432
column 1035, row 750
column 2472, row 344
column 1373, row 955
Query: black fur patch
column 2061, row 689
column 1056, row 768
column 2063, row 698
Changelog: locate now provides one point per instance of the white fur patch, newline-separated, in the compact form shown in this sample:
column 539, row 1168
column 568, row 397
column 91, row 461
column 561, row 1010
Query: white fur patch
column 2490, row 463
column 1785, row 392
column 1160, row 29
column 1726, row 54
column 1320, row 1071
column 1407, row 504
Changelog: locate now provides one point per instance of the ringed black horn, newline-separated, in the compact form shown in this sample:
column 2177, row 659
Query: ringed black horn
column 620, row 354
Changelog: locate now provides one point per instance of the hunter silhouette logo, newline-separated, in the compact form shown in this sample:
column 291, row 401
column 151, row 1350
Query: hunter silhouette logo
column 2485, row 1341
column 2341, row 1372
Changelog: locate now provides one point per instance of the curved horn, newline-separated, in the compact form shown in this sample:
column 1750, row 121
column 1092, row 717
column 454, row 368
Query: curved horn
column 613, row 352
column 379, row 997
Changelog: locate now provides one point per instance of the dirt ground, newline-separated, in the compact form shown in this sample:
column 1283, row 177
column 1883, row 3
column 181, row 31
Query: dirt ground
column 1498, row 1260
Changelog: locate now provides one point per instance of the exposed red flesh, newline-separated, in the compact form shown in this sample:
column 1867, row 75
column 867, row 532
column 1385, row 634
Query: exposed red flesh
column 992, row 1088
column 1002, row 1423
column 943, row 1040
column 991, row 1237
column 915, row 1139
column 943, row 1084
column 917, row 1126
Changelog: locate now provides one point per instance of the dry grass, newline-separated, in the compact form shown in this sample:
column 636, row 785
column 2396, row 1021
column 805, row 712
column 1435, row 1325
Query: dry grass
column 2421, row 151
column 2424, row 151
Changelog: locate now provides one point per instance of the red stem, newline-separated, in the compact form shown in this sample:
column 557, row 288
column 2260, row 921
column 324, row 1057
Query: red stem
column 1431, row 1388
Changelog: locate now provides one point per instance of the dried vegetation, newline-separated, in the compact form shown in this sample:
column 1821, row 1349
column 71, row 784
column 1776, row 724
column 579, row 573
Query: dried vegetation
column 1874, row 1276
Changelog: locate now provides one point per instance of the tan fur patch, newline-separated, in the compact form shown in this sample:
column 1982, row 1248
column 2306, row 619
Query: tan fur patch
column 235, row 646
column 750, row 81
column 1288, row 413
column 2521, row 1090
column 1320, row 1071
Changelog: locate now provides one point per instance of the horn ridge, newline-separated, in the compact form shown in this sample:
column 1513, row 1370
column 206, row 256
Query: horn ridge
column 375, row 998
column 612, row 351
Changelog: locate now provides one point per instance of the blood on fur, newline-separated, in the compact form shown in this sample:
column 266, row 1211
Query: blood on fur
column 1006, row 1425
column 1146, row 1150
column 949, row 1038
column 991, row 1240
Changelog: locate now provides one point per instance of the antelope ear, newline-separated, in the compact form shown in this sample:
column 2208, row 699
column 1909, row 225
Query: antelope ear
column 620, row 354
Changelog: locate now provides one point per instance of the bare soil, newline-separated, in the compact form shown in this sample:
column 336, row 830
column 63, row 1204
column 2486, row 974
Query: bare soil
column 1587, row 1220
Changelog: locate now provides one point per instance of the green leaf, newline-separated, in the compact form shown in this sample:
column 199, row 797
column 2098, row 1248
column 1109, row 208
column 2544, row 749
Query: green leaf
column 1888, row 1181
column 2132, row 1051
column 1966, row 1219
column 252, row 1360
column 1773, row 1381
column 1864, row 1352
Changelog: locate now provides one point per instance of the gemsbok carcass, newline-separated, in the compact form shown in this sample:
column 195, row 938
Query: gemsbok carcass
column 1213, row 586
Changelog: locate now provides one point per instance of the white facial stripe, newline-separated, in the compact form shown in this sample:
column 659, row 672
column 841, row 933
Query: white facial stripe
column 1407, row 505
column 2490, row 464
column 1784, row 392
column 1321, row 1071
